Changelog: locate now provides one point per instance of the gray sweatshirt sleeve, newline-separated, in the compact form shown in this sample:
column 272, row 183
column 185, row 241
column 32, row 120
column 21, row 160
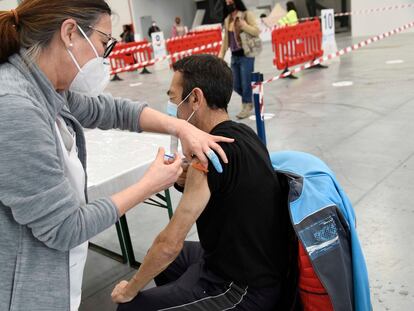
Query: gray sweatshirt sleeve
column 105, row 112
column 33, row 184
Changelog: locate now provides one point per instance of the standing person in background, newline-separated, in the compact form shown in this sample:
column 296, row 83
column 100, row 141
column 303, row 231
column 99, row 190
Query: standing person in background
column 313, row 6
column 237, row 20
column 262, row 16
column 178, row 29
column 127, row 35
column 291, row 18
column 154, row 28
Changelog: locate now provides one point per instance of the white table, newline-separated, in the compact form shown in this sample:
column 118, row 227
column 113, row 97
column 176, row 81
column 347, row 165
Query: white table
column 116, row 160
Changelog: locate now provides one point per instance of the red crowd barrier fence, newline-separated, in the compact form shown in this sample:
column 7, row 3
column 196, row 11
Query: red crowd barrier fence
column 194, row 40
column 294, row 45
column 140, row 52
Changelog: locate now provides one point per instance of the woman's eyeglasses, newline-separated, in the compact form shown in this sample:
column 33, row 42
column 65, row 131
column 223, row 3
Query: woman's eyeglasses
column 111, row 42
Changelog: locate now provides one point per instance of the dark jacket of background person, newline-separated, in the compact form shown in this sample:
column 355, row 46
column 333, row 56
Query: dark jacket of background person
column 152, row 29
column 127, row 35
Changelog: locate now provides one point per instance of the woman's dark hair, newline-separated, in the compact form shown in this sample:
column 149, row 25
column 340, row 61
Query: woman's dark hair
column 209, row 73
column 239, row 7
column 33, row 23
column 290, row 5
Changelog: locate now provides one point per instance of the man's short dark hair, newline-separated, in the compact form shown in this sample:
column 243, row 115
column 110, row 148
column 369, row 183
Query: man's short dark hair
column 209, row 73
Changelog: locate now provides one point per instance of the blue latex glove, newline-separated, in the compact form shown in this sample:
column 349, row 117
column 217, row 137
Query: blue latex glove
column 215, row 160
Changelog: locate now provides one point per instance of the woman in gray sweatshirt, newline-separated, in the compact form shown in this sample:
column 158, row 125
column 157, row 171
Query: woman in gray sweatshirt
column 52, row 73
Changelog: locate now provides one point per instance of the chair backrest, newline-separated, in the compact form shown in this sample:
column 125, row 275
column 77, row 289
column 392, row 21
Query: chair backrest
column 324, row 222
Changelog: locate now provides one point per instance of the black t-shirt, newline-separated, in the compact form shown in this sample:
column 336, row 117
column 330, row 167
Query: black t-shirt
column 240, row 227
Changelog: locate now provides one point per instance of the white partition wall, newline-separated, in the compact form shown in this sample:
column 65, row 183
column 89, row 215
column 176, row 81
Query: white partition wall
column 163, row 12
column 121, row 15
column 376, row 23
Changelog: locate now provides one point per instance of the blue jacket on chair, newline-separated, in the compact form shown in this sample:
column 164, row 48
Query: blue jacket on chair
column 324, row 221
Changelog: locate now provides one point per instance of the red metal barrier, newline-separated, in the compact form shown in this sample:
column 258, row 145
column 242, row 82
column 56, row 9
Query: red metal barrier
column 294, row 45
column 141, row 52
column 194, row 40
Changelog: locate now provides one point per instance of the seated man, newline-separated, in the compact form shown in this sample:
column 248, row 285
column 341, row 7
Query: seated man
column 239, row 262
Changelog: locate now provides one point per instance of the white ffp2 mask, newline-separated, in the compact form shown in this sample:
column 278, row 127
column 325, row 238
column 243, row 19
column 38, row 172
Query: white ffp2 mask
column 93, row 77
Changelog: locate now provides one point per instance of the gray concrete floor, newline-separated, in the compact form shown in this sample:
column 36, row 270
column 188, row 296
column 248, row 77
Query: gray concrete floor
column 365, row 134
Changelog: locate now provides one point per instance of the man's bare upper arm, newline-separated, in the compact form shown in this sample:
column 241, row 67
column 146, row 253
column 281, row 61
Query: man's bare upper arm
column 193, row 201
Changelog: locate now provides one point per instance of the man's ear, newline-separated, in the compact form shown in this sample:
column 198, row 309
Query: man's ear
column 198, row 98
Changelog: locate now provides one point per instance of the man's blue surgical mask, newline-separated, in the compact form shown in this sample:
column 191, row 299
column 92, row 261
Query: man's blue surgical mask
column 172, row 108
column 172, row 111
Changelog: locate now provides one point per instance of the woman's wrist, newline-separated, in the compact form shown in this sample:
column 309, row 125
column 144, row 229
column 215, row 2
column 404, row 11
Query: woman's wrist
column 145, row 187
column 132, row 196
column 178, row 127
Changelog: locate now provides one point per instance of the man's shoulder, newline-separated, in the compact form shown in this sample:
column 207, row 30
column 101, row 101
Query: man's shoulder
column 244, row 137
column 231, row 129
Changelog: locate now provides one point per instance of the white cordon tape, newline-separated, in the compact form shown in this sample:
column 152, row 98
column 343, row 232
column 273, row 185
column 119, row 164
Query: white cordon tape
column 156, row 60
column 370, row 11
column 131, row 49
column 364, row 11
column 337, row 54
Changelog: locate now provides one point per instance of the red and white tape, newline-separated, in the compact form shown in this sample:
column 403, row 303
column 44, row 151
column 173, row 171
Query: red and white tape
column 193, row 33
column 153, row 61
column 338, row 53
column 360, row 12
column 369, row 11
column 130, row 49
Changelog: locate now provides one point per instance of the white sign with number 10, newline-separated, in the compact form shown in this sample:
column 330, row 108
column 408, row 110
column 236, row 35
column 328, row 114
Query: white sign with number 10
column 328, row 22
column 328, row 34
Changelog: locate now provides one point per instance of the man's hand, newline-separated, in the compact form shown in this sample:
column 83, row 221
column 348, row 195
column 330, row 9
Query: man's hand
column 121, row 293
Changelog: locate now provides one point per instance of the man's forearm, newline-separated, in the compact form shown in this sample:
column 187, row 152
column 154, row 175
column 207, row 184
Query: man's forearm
column 158, row 258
